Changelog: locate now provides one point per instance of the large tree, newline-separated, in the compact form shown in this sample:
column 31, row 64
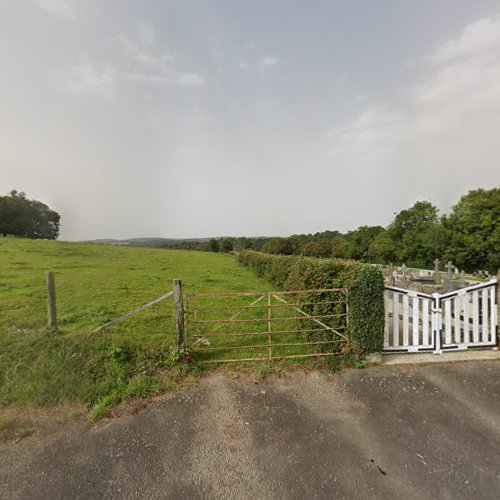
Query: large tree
column 474, row 228
column 340, row 247
column 279, row 246
column 361, row 239
column 382, row 249
column 417, row 235
column 20, row 216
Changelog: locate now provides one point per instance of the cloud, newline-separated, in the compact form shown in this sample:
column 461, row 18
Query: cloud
column 481, row 37
column 442, row 128
column 187, row 80
column 92, row 79
column 150, row 63
column 146, row 34
column 268, row 61
column 341, row 78
column 197, row 116
column 63, row 9
column 360, row 98
column 264, row 62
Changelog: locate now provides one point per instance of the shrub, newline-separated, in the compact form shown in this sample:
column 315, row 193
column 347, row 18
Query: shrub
column 363, row 282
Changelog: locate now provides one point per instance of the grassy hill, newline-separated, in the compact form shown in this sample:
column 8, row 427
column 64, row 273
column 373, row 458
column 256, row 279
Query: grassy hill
column 94, row 285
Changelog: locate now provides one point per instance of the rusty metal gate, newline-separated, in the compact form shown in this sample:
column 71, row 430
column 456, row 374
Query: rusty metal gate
column 252, row 326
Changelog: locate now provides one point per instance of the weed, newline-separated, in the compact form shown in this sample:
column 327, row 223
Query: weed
column 261, row 372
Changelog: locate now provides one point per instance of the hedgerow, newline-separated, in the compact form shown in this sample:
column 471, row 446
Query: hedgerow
column 364, row 285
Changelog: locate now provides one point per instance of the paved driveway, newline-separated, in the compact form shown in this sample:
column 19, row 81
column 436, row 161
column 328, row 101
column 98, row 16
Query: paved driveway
column 384, row 432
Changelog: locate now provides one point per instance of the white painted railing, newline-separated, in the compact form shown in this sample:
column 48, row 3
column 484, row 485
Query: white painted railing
column 461, row 319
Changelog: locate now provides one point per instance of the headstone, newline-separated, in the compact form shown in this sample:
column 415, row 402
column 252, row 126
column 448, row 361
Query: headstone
column 405, row 276
column 437, row 277
column 449, row 267
column 394, row 276
column 448, row 284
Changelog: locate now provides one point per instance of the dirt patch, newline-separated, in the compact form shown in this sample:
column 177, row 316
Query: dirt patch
column 37, row 423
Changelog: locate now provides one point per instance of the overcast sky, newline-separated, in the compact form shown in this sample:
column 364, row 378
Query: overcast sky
column 229, row 117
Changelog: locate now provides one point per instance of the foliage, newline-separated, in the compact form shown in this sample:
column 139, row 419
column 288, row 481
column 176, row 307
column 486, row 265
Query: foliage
column 96, row 283
column 279, row 246
column 474, row 228
column 340, row 247
column 361, row 239
column 213, row 245
column 418, row 217
column 416, row 236
column 364, row 284
column 226, row 245
column 20, row 216
column 321, row 248
column 382, row 249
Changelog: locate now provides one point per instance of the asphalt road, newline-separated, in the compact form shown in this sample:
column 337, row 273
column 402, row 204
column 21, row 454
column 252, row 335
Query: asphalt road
column 384, row 432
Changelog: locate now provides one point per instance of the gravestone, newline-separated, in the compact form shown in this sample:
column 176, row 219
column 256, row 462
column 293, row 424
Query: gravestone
column 449, row 268
column 437, row 276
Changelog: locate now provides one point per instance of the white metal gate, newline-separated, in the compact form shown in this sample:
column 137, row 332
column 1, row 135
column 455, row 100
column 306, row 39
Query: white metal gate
column 457, row 320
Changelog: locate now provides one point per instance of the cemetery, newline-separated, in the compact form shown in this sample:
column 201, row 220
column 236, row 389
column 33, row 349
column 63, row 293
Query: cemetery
column 431, row 281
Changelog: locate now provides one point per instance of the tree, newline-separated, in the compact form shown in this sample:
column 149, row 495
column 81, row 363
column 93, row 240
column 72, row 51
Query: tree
column 20, row 216
column 382, row 249
column 474, row 230
column 340, row 247
column 361, row 239
column 320, row 248
column 418, row 235
column 226, row 245
column 279, row 246
column 419, row 216
column 213, row 245
column 242, row 243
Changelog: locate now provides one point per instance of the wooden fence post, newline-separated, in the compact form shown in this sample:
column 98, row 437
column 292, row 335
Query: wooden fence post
column 51, row 300
column 179, row 316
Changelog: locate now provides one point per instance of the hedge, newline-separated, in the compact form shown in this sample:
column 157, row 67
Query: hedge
column 364, row 284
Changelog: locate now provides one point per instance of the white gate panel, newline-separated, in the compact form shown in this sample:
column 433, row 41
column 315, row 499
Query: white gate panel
column 457, row 320
column 407, row 321
column 472, row 315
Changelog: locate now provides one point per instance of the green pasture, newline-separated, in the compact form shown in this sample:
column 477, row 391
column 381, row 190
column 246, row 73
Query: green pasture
column 95, row 284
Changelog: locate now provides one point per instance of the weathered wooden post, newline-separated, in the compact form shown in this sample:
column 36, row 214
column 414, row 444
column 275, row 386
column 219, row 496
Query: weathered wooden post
column 51, row 300
column 179, row 316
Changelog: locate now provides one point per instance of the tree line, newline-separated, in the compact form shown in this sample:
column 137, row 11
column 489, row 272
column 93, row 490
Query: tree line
column 469, row 236
column 20, row 216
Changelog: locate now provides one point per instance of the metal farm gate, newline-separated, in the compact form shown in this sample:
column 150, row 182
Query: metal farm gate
column 251, row 326
column 458, row 320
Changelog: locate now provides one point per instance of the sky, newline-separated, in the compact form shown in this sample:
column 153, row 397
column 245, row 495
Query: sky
column 197, row 118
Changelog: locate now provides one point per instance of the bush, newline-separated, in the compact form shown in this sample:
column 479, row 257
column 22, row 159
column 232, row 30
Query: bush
column 363, row 282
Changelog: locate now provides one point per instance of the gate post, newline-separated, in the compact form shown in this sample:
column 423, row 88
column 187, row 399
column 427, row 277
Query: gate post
column 498, row 308
column 437, row 320
column 179, row 316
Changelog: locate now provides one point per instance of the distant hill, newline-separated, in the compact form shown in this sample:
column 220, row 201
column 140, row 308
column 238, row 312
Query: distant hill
column 147, row 242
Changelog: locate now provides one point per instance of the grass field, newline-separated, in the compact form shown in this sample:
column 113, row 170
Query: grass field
column 94, row 285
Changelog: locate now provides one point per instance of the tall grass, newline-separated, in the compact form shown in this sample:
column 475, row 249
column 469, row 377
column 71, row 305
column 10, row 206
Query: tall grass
column 94, row 285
